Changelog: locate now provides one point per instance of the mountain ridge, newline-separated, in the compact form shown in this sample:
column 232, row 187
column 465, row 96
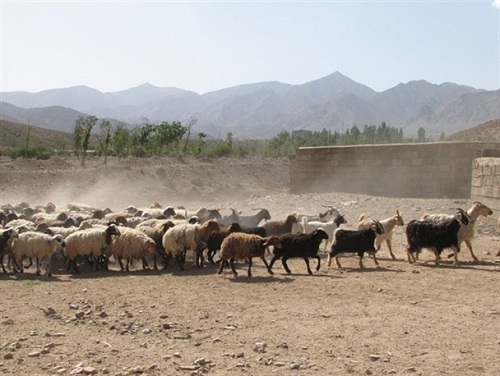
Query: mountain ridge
column 263, row 109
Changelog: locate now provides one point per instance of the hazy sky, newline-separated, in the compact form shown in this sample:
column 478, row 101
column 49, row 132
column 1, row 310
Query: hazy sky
column 204, row 46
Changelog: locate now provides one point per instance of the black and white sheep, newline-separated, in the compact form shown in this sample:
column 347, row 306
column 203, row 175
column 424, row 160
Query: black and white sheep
column 299, row 245
column 240, row 246
column 388, row 224
column 280, row 227
column 435, row 236
column 6, row 238
column 466, row 232
column 355, row 241
column 93, row 242
column 33, row 244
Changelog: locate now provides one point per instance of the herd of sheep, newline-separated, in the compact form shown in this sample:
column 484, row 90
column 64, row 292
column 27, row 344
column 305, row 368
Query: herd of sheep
column 80, row 235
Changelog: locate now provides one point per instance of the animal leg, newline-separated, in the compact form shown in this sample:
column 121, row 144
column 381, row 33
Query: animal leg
column 231, row 264
column 267, row 265
column 270, row 267
column 319, row 263
column 307, row 264
column 361, row 266
column 179, row 259
column 469, row 245
column 250, row 266
column 389, row 245
column 337, row 262
column 285, row 265
column 375, row 258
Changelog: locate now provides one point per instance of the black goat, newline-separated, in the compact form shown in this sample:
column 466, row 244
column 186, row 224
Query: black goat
column 355, row 241
column 435, row 236
column 299, row 245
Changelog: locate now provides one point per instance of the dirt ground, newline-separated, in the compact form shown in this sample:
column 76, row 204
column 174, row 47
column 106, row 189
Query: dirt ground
column 396, row 319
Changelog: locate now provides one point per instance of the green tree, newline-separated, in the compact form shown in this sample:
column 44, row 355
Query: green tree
column 421, row 135
column 82, row 132
column 106, row 129
column 121, row 141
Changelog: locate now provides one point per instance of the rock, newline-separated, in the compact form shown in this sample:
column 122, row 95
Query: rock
column 374, row 357
column 79, row 314
column 89, row 371
column 34, row 354
column 73, row 306
column 137, row 370
column 8, row 322
column 49, row 311
column 76, row 371
column 201, row 361
column 410, row 370
column 146, row 331
column 279, row 364
column 260, row 347
column 294, row 365
column 9, row 355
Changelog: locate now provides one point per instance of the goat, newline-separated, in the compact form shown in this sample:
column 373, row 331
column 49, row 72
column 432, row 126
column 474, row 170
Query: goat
column 254, row 220
column 355, row 241
column 329, row 227
column 388, row 224
column 435, row 236
column 466, row 233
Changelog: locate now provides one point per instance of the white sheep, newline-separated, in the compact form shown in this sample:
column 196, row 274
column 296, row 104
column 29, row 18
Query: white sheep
column 388, row 224
column 156, row 233
column 36, row 245
column 183, row 237
column 93, row 242
column 241, row 246
column 132, row 244
column 465, row 233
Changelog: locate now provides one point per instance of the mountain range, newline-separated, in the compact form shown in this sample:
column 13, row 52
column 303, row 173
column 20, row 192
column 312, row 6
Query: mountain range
column 262, row 110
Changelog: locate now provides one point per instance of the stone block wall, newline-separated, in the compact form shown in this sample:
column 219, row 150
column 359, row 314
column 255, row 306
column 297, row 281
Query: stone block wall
column 426, row 170
column 485, row 184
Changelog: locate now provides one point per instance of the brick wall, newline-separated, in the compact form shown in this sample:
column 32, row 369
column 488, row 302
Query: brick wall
column 433, row 170
column 485, row 184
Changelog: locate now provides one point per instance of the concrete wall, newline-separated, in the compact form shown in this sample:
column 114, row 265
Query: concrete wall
column 427, row 170
column 485, row 185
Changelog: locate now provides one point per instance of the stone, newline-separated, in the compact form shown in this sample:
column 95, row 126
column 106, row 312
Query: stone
column 89, row 371
column 34, row 354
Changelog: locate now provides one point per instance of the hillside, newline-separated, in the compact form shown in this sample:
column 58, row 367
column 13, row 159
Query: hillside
column 14, row 134
column 489, row 131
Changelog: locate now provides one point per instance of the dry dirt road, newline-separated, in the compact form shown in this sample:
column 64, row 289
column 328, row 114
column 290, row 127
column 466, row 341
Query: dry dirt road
column 396, row 319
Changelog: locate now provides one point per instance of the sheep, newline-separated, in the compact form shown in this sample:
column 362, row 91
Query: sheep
column 240, row 246
column 299, row 245
column 132, row 244
column 65, row 232
column 388, row 224
column 466, row 233
column 215, row 239
column 329, row 227
column 355, row 241
column 34, row 244
column 6, row 238
column 178, row 239
column 93, row 242
column 254, row 220
column 280, row 227
column 156, row 233
column 435, row 236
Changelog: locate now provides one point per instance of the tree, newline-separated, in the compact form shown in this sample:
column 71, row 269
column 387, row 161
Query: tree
column 421, row 135
column 106, row 128
column 121, row 140
column 83, row 126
